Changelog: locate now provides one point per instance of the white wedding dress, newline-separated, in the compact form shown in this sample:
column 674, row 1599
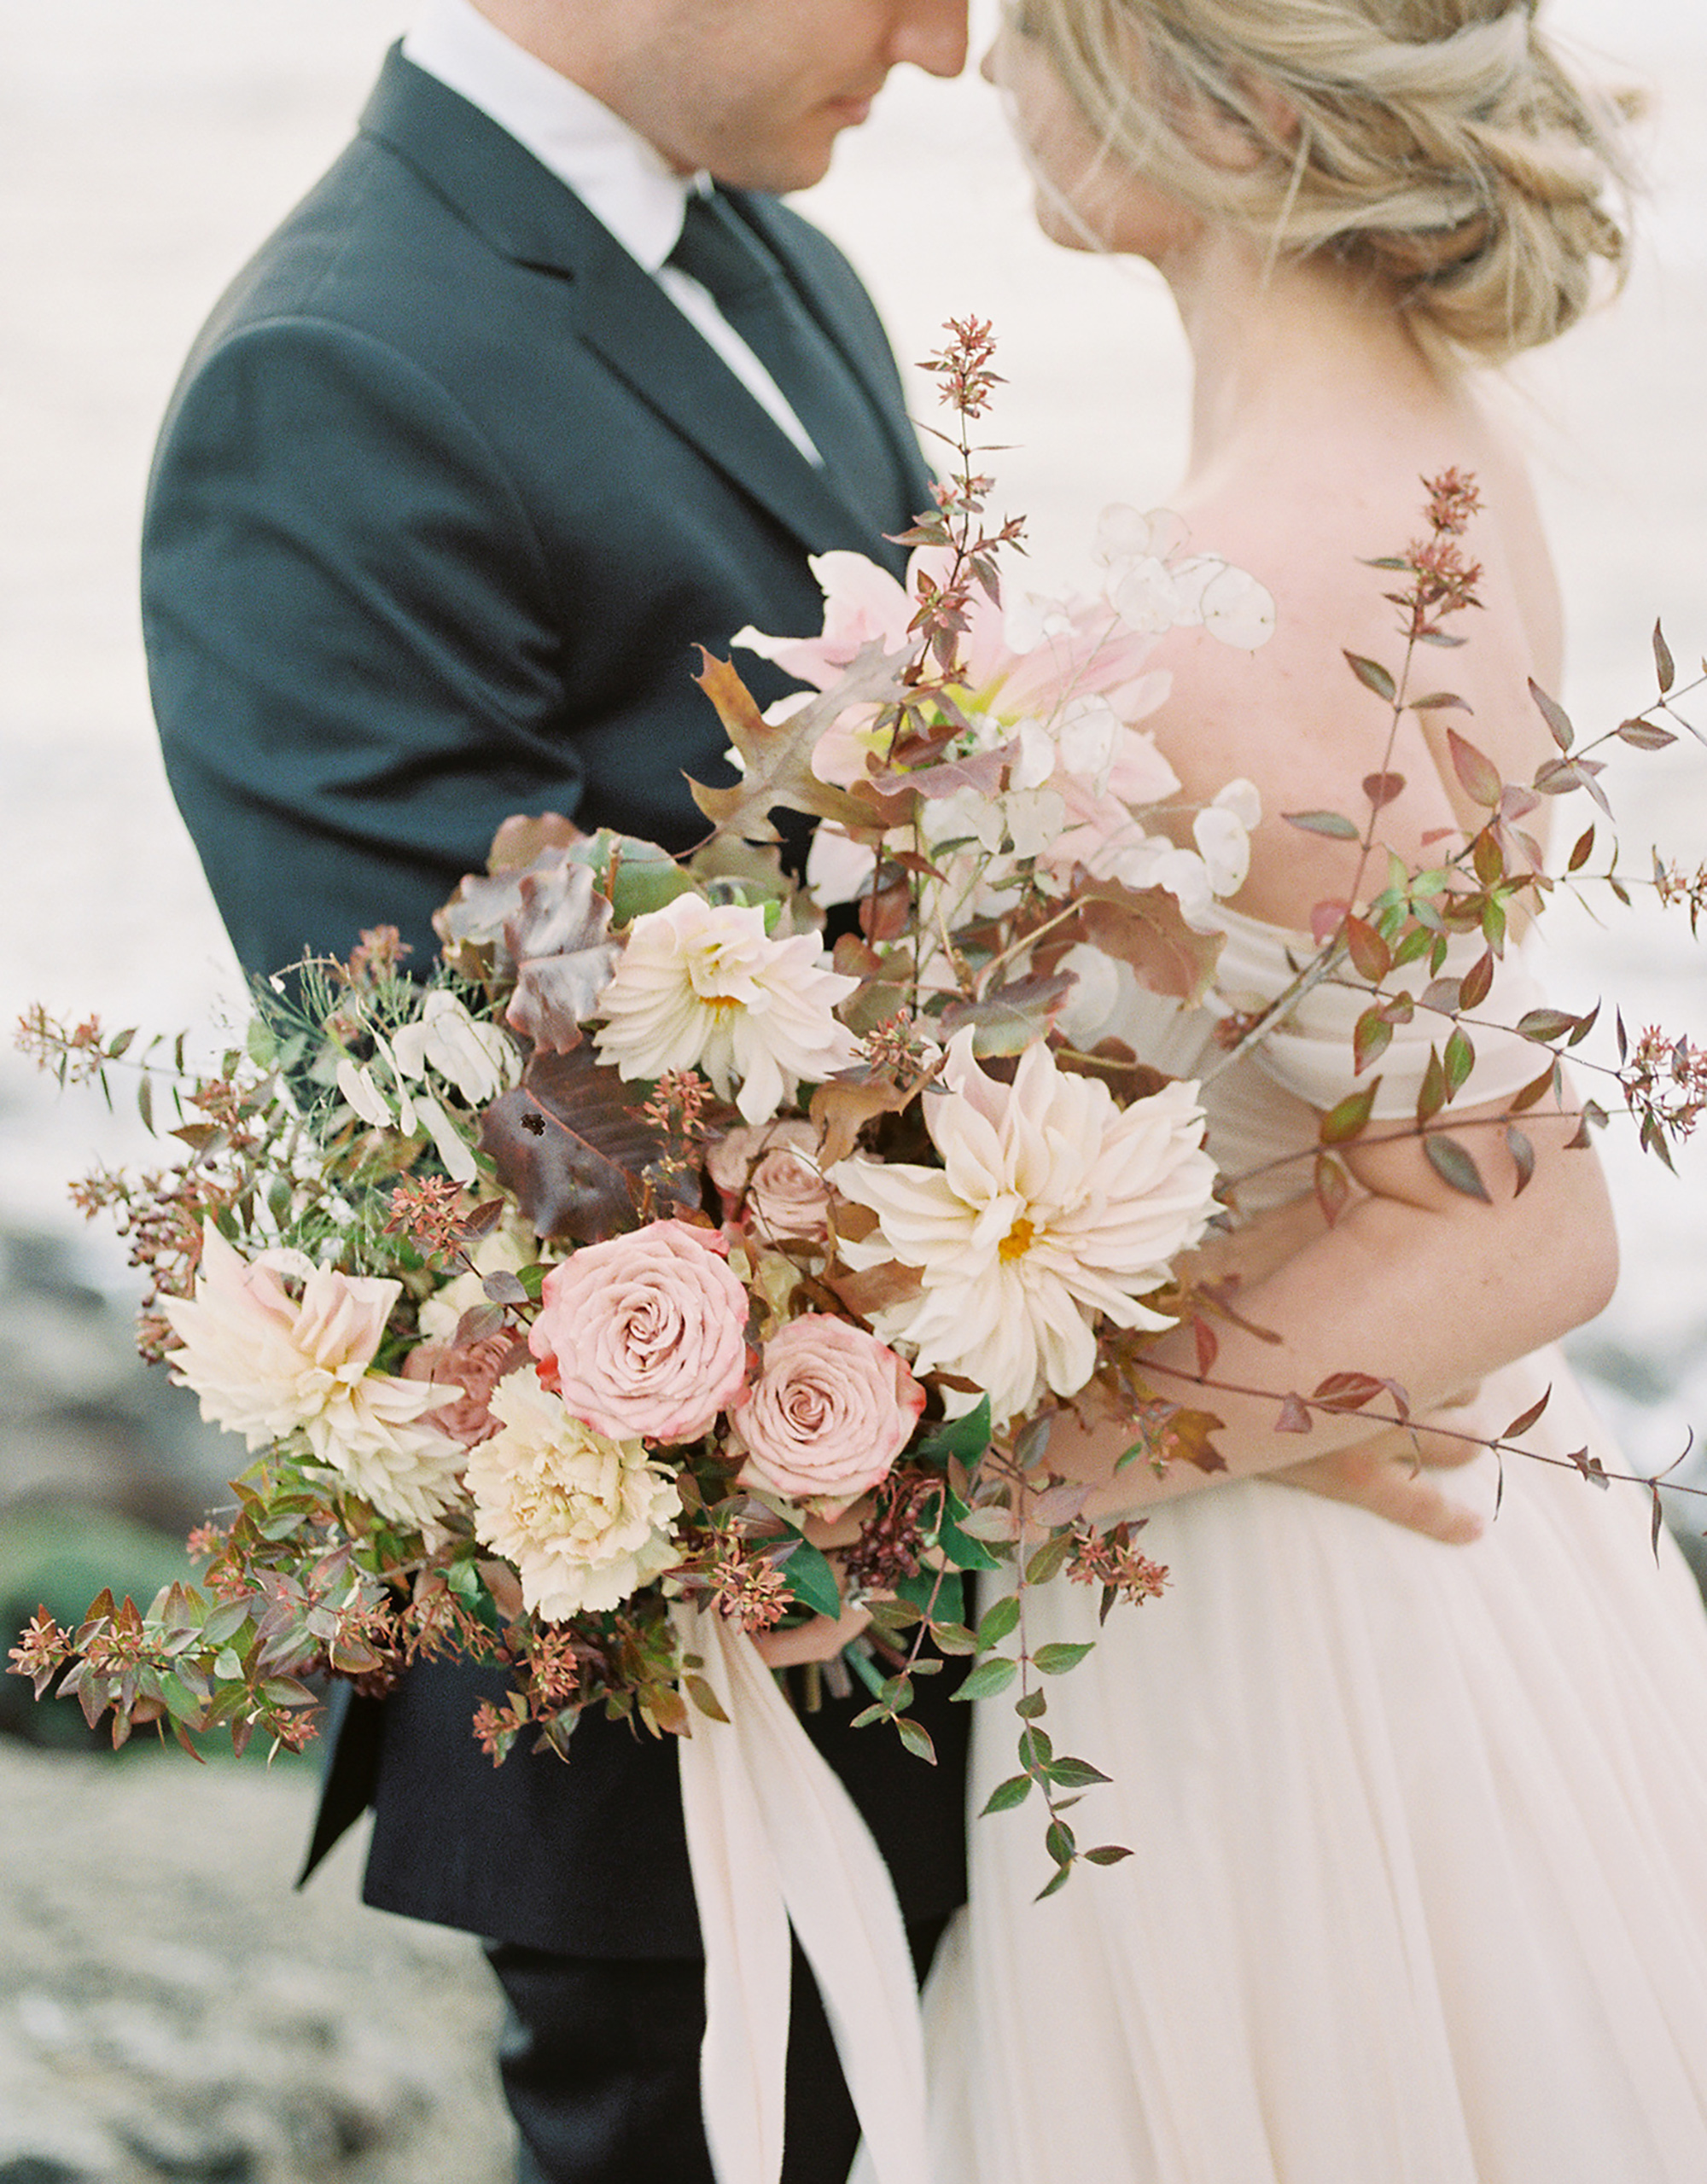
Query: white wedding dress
column 1418, row 1890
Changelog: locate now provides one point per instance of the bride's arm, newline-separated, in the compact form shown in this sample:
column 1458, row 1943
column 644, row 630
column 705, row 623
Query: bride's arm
column 1416, row 1284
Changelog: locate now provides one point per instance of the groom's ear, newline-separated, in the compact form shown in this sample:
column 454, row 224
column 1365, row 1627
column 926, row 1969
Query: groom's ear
column 1222, row 136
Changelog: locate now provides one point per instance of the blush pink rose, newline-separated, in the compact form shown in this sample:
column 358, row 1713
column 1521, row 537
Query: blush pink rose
column 470, row 1372
column 645, row 1337
column 830, row 1411
column 771, row 1175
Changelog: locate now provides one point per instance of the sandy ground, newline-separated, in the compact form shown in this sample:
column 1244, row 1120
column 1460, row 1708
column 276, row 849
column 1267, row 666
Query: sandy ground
column 143, row 151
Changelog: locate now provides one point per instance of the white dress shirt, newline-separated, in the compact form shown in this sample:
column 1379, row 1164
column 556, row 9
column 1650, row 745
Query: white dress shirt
column 625, row 182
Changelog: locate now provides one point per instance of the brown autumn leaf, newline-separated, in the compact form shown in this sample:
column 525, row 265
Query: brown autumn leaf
column 776, row 757
column 874, row 1288
column 526, row 836
column 842, row 1106
column 558, row 937
column 571, row 1145
column 1146, row 928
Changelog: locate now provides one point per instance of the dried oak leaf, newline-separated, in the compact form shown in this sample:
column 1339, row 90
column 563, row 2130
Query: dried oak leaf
column 558, row 938
column 573, row 1148
column 776, row 756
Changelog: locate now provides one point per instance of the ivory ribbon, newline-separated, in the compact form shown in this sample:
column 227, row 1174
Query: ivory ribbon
column 773, row 1839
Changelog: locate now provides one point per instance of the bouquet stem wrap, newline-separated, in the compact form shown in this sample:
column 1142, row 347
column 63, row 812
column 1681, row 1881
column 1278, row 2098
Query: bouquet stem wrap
column 774, row 1840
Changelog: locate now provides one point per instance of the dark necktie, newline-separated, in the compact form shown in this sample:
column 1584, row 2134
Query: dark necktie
column 719, row 251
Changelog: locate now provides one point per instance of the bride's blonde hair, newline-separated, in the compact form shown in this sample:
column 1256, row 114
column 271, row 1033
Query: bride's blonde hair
column 1441, row 144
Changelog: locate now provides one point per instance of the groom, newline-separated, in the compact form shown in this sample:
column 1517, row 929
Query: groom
column 511, row 413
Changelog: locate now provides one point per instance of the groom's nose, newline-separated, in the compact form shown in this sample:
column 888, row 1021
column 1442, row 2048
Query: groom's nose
column 932, row 34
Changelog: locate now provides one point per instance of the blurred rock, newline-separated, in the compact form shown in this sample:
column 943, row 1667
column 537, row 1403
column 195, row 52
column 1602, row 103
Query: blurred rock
column 171, row 2009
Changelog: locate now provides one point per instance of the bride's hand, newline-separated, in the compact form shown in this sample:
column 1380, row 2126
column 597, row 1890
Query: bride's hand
column 1396, row 1474
column 824, row 1636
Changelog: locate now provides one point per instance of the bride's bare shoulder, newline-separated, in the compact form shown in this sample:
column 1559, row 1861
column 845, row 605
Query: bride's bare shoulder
column 1296, row 716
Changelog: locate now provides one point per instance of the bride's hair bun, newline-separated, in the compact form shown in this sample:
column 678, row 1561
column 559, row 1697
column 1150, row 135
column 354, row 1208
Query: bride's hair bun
column 1440, row 144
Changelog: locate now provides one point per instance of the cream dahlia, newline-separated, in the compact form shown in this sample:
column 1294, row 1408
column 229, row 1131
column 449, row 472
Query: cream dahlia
column 704, row 985
column 1052, row 1205
column 267, row 1363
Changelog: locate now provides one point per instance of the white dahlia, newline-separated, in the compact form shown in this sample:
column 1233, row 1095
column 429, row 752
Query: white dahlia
column 585, row 1519
column 1051, row 1205
column 267, row 1364
column 704, row 985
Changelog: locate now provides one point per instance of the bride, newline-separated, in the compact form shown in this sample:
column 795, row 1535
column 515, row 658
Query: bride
column 1417, row 1893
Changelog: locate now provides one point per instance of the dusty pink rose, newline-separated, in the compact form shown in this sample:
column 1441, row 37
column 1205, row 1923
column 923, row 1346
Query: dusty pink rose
column 771, row 1176
column 645, row 1337
column 470, row 1373
column 830, row 1411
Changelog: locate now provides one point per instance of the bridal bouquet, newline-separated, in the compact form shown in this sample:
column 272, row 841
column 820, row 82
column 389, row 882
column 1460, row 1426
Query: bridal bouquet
column 586, row 1282
column 650, row 1268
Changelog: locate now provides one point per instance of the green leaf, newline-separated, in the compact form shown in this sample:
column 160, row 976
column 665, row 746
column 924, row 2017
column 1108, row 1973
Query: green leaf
column 1050, row 1559
column 1454, row 1166
column 917, row 1741
column 1547, row 1023
column 1663, row 661
column 1074, row 1774
column 1063, row 1874
column 1372, row 958
column 999, row 1622
column 1057, row 1660
column 1007, row 1795
column 952, row 1638
column 961, row 1548
column 1557, row 718
column 964, row 1438
column 1432, row 1098
column 1644, row 735
column 1459, row 1059
column 1348, row 1119
column 1032, row 1707
column 1476, row 772
column 1334, row 825
column 1060, row 1841
column 935, row 1592
column 1106, row 1854
column 810, row 1579
column 986, row 1680
column 1373, row 676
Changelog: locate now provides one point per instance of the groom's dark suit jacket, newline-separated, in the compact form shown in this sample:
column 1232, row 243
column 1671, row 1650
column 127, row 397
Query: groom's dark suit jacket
column 446, row 498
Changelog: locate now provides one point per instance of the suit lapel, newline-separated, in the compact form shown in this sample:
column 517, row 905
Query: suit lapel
column 525, row 214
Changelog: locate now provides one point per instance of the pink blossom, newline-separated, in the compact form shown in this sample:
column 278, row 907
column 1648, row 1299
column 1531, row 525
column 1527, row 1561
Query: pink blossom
column 771, row 1174
column 644, row 1335
column 468, row 1373
column 830, row 1411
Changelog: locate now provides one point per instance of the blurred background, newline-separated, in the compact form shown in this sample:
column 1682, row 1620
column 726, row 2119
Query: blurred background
column 167, row 2006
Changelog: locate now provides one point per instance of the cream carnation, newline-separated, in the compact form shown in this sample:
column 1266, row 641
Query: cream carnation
column 1052, row 1205
column 585, row 1519
column 266, row 1364
column 771, row 1174
column 645, row 1334
column 830, row 1411
column 704, row 985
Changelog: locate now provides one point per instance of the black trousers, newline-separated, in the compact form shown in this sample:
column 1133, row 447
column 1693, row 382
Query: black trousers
column 600, row 2064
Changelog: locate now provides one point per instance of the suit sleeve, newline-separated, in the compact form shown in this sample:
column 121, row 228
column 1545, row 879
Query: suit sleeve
column 353, row 638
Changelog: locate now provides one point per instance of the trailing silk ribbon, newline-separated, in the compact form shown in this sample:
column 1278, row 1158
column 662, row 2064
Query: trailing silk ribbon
column 774, row 1839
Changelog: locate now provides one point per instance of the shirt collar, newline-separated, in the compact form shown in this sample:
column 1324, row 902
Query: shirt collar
column 623, row 180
